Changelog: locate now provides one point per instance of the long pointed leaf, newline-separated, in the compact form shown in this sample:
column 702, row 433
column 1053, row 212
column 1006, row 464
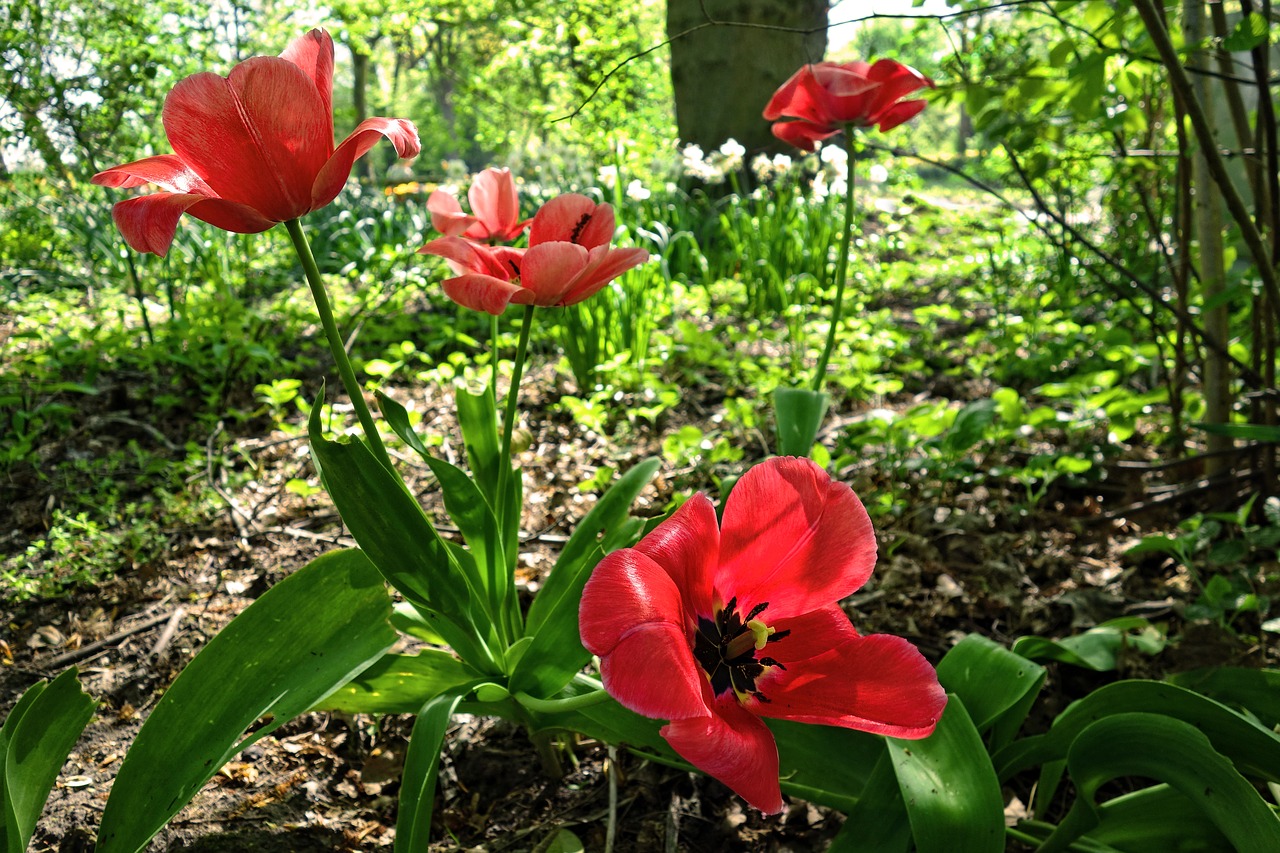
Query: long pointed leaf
column 421, row 766
column 35, row 740
column 952, row 794
column 303, row 638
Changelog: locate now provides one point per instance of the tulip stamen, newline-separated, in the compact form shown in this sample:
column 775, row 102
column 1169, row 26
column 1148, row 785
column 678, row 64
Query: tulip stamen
column 725, row 647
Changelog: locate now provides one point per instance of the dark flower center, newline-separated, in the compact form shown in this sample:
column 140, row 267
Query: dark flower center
column 726, row 648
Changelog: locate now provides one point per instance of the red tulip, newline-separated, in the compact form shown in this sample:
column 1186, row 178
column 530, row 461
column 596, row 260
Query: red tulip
column 822, row 99
column 495, row 209
column 569, row 258
column 251, row 149
column 713, row 627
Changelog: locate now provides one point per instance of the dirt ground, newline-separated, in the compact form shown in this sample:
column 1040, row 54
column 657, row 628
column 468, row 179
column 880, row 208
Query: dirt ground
column 956, row 562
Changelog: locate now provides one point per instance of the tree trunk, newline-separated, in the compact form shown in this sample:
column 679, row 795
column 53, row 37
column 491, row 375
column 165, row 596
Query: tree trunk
column 724, row 73
column 360, row 100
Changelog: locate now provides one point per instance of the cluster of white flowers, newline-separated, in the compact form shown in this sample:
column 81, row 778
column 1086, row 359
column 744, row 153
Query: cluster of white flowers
column 766, row 168
column 636, row 191
column 712, row 168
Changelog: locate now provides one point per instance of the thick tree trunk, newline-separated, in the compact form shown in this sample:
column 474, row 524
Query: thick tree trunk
column 724, row 73
column 360, row 100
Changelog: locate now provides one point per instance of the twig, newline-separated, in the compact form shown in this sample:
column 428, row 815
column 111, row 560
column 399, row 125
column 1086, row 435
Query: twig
column 166, row 636
column 90, row 649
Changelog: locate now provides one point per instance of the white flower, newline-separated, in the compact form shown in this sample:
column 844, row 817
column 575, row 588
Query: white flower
column 834, row 155
column 636, row 191
column 781, row 162
column 762, row 166
column 607, row 176
column 877, row 174
column 732, row 152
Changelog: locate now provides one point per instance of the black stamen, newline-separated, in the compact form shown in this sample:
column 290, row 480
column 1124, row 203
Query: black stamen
column 580, row 227
column 778, row 635
column 756, row 611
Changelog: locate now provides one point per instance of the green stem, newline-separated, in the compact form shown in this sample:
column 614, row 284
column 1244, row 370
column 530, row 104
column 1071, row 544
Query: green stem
column 560, row 706
column 348, row 374
column 842, row 266
column 508, row 515
column 493, row 353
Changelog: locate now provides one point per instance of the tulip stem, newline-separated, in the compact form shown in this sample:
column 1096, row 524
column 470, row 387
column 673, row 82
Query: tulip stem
column 348, row 374
column 842, row 264
column 558, row 706
column 509, row 512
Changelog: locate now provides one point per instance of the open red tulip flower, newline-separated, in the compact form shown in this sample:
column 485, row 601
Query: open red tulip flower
column 569, row 259
column 495, row 210
column 250, row 149
column 713, row 627
column 824, row 98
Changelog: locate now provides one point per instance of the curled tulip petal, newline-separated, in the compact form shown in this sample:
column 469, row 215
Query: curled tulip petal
column 148, row 223
column 333, row 175
column 313, row 54
column 166, row 171
column 734, row 746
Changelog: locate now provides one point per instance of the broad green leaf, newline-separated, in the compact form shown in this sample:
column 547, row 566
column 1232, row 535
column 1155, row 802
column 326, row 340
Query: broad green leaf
column 402, row 543
column 878, row 822
column 799, row 413
column 301, row 640
column 950, row 788
column 407, row 619
column 1254, row 748
column 1155, row 746
column 36, row 738
column 478, row 417
column 556, row 652
column 400, row 684
column 421, row 766
column 1098, row 648
column 1156, row 820
column 992, row 682
column 1254, row 690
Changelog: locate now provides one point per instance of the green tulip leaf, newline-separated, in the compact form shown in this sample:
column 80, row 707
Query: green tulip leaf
column 463, row 500
column 400, row 684
column 304, row 637
column 401, row 541
column 556, row 651
column 1155, row 746
column 996, row 685
column 953, row 797
column 878, row 822
column 1253, row 690
column 421, row 766
column 36, row 738
column 799, row 413
column 1156, row 820
column 1254, row 748
column 1098, row 648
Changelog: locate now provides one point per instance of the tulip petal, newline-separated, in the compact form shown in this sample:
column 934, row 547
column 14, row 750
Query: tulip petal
column 482, row 292
column 802, row 134
column 829, row 675
column 333, row 175
column 687, row 547
column 572, row 218
column 603, row 266
column 446, row 214
column 313, row 53
column 549, row 270
column 465, row 256
column 652, row 672
column 258, row 136
column 899, row 113
column 166, row 171
column 149, row 222
column 496, row 205
column 734, row 746
column 793, row 537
